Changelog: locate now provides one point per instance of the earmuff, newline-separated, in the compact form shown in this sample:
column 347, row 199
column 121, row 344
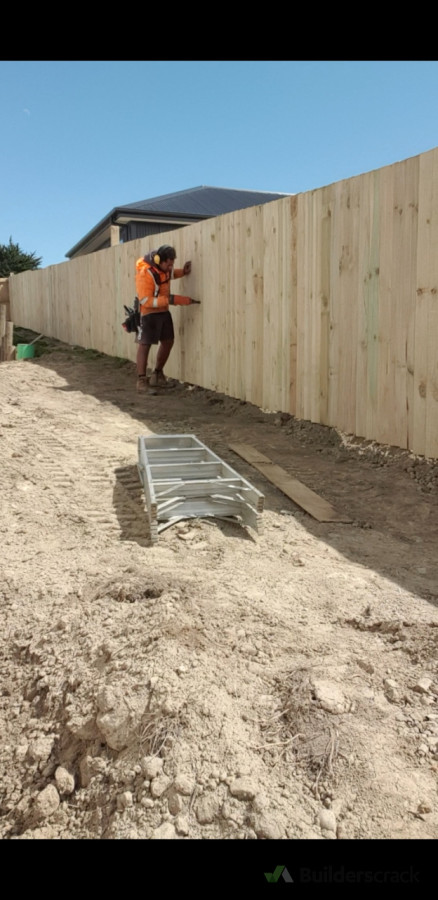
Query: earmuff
column 160, row 253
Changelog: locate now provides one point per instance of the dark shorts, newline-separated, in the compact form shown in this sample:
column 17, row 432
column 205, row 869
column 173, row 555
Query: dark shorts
column 156, row 327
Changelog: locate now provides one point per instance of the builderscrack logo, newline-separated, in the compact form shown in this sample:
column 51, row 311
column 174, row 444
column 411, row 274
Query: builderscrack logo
column 339, row 874
column 279, row 872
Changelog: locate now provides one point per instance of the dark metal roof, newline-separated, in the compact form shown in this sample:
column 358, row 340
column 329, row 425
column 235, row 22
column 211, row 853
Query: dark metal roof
column 192, row 204
column 204, row 201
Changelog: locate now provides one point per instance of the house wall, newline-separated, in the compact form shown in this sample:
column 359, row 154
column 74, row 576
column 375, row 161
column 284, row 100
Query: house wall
column 134, row 230
column 322, row 305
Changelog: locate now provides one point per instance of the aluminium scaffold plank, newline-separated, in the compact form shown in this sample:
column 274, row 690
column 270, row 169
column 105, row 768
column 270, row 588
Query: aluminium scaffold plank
column 183, row 479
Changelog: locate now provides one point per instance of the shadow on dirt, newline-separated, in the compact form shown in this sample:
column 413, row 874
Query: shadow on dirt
column 132, row 512
column 385, row 491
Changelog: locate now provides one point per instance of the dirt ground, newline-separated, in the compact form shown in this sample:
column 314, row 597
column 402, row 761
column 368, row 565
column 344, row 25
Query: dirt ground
column 219, row 683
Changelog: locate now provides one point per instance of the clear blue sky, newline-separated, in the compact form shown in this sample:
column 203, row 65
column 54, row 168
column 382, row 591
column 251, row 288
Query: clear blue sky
column 81, row 137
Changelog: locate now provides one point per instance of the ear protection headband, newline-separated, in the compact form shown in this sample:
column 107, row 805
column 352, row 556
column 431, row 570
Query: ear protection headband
column 158, row 256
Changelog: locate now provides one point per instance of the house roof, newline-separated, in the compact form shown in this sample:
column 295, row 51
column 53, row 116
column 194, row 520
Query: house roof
column 204, row 201
column 192, row 204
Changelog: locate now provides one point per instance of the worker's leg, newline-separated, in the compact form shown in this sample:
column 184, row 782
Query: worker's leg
column 166, row 341
column 158, row 378
column 142, row 359
column 163, row 354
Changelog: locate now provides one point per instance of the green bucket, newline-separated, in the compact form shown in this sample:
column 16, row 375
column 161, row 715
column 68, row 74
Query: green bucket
column 25, row 351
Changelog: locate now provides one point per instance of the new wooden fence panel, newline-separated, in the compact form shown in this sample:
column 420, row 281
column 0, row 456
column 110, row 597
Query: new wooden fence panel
column 186, row 359
column 312, row 304
column 68, row 302
column 325, row 292
column 276, row 306
column 423, row 293
column 220, row 314
column 323, row 304
column 311, row 284
column 46, row 288
column 431, row 440
column 31, row 312
column 425, row 437
column 231, row 301
column 293, row 336
column 6, row 325
column 59, row 286
column 367, row 287
column 406, row 268
column 371, row 300
column 4, row 296
column 26, row 313
column 220, row 275
column 244, row 289
column 313, row 373
column 287, row 336
column 198, row 339
column 252, row 264
column 38, row 297
column 331, row 351
column 242, row 242
column 319, row 304
column 102, row 299
column 303, row 280
column 399, row 195
column 80, row 311
column 345, row 322
column 269, row 310
column 123, row 295
column 385, row 322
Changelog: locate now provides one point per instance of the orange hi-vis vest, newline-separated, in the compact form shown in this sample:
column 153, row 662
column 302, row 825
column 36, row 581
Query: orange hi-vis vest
column 153, row 288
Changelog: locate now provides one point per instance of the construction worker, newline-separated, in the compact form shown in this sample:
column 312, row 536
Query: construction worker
column 153, row 275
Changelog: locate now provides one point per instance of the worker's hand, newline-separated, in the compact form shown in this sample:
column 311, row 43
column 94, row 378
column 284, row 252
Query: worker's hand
column 194, row 301
column 187, row 268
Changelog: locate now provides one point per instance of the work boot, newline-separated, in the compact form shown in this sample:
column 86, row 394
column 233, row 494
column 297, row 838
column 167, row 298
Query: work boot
column 143, row 386
column 158, row 378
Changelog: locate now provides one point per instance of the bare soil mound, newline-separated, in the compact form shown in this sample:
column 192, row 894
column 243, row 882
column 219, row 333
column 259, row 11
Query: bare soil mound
column 218, row 684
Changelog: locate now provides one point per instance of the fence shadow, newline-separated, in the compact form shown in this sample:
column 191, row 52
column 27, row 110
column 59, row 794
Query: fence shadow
column 378, row 500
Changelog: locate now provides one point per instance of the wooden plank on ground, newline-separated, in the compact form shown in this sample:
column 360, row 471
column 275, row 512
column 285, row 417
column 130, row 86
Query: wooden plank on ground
column 315, row 505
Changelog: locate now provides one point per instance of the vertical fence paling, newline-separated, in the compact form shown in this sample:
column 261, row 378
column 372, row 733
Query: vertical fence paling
column 7, row 349
column 322, row 305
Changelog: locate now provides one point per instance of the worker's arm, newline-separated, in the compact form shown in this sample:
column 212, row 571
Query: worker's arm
column 180, row 300
column 179, row 273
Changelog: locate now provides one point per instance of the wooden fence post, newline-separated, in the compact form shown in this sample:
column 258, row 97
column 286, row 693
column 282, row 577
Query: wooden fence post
column 7, row 349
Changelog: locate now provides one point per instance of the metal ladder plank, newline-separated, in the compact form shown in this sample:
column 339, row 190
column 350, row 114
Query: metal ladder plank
column 184, row 470
column 171, row 454
column 183, row 478
column 172, row 441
